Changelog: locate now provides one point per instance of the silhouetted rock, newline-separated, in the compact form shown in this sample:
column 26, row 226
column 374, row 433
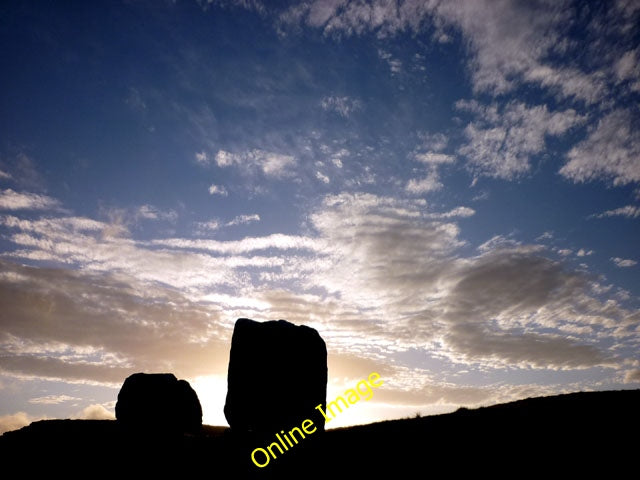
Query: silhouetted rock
column 277, row 376
column 158, row 402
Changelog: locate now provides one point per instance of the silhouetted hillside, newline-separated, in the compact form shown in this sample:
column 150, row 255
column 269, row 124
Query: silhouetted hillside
column 570, row 434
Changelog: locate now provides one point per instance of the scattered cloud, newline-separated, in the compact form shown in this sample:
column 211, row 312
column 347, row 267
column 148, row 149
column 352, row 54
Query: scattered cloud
column 322, row 177
column 632, row 376
column 5, row 175
column 395, row 65
column 584, row 253
column 52, row 400
column 611, row 152
column 95, row 412
column 623, row 262
column 343, row 106
column 420, row 186
column 460, row 212
column 209, row 226
column 629, row 211
column 149, row 212
column 12, row 200
column 244, row 220
column 271, row 164
column 218, row 190
column 202, row 158
column 15, row 421
column 431, row 158
column 502, row 140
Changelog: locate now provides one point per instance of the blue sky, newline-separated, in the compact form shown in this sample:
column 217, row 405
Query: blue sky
column 448, row 191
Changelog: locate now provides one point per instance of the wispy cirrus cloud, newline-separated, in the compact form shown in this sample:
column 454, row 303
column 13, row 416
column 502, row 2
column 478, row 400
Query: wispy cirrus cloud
column 628, row 211
column 610, row 153
column 501, row 141
column 271, row 164
column 243, row 220
column 12, row 200
column 343, row 106
column 387, row 275
column 53, row 399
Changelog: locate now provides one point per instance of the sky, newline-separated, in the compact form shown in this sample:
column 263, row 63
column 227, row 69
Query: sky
column 448, row 191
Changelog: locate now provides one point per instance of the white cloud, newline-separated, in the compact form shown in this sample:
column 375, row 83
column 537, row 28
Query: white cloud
column 218, row 190
column 322, row 177
column 622, row 262
column 629, row 211
column 271, row 164
column 202, row 158
column 12, row 200
column 611, row 152
column 501, row 141
column 15, row 421
column 149, row 212
column 5, row 175
column 628, row 68
column 510, row 42
column 584, row 253
column 95, row 412
column 208, row 226
column 395, row 65
column 419, row 186
column 343, row 106
column 462, row 212
column 52, row 400
column 565, row 252
column 243, row 220
column 431, row 158
column 435, row 142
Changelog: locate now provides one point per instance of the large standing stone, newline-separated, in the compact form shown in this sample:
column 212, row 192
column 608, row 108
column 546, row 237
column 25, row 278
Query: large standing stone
column 277, row 376
column 158, row 402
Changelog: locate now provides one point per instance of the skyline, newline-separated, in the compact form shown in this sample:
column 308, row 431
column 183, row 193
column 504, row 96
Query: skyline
column 447, row 191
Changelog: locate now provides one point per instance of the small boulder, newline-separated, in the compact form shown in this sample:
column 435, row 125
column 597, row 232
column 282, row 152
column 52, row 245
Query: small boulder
column 158, row 402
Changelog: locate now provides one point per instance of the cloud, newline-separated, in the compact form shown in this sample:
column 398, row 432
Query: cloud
column 462, row 212
column 52, row 399
column 11, row 200
column 202, row 158
column 584, row 253
column 380, row 277
column 149, row 212
column 343, row 106
column 611, row 152
column 5, row 175
column 243, row 220
column 209, row 226
column 75, row 326
column 628, row 68
column 218, row 190
column 510, row 42
column 502, row 140
column 95, row 412
column 271, row 164
column 431, row 158
column 14, row 422
column 322, row 177
column 419, row 186
column 395, row 65
column 622, row 262
column 629, row 211
column 632, row 376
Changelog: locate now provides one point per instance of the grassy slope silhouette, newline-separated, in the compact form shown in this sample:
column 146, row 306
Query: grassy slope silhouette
column 572, row 434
